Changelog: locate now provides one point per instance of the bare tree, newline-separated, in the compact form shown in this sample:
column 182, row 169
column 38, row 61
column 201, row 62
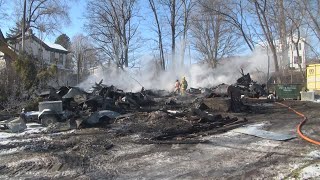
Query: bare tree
column 283, row 34
column 310, row 23
column 42, row 15
column 84, row 54
column 295, row 24
column 3, row 12
column 234, row 14
column 187, row 8
column 110, row 23
column 174, row 18
column 312, row 7
column 263, row 12
column 213, row 37
column 159, row 33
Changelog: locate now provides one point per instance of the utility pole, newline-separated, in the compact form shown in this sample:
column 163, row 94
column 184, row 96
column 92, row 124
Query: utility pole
column 78, row 68
column 268, row 74
column 24, row 24
column 189, row 54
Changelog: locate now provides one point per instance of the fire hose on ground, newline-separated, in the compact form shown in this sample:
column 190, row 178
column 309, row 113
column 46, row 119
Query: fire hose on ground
column 301, row 124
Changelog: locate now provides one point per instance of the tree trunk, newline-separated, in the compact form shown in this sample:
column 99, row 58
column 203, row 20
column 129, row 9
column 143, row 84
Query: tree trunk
column 275, row 58
column 9, row 69
column 185, row 30
column 216, row 40
column 262, row 17
column 159, row 32
column 303, row 75
column 283, row 34
column 173, row 31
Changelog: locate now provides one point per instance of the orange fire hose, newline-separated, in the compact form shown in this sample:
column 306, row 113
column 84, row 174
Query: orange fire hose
column 300, row 125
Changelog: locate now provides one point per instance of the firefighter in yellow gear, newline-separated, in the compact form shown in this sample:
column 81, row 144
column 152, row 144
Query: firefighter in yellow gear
column 184, row 86
column 177, row 86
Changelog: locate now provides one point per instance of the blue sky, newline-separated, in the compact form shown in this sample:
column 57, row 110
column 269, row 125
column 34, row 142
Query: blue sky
column 76, row 12
column 76, row 17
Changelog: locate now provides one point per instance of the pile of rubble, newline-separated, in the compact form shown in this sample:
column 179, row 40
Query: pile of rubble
column 154, row 114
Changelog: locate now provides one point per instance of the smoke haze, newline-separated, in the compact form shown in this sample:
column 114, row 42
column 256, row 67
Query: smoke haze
column 197, row 75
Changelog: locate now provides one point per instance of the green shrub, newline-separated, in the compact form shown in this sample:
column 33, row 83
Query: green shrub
column 33, row 104
column 26, row 69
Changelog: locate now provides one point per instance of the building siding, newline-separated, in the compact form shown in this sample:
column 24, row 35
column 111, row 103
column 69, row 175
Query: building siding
column 32, row 47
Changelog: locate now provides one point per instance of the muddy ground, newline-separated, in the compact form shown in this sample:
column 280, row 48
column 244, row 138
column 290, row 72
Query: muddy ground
column 133, row 148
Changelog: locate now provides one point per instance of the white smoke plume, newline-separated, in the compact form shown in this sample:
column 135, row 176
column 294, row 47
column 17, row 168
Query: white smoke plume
column 197, row 75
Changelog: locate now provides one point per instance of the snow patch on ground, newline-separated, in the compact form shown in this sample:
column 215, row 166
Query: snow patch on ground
column 229, row 134
column 32, row 128
column 6, row 135
column 314, row 155
column 10, row 151
column 265, row 144
column 158, row 159
column 263, row 104
column 130, row 149
column 259, row 125
column 64, row 132
column 305, row 170
column 12, row 141
column 312, row 171
column 35, row 160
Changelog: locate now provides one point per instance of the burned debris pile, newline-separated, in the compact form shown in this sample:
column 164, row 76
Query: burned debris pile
column 249, row 87
column 174, row 126
column 155, row 115
column 244, row 86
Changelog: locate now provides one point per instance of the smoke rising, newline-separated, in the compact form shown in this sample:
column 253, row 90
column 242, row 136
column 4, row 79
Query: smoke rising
column 198, row 75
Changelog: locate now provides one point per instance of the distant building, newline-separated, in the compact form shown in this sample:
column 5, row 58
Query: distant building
column 292, row 60
column 45, row 53
column 4, row 49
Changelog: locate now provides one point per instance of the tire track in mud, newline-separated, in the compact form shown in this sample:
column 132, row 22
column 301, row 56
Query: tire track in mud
column 26, row 166
column 274, row 161
column 51, row 157
column 40, row 165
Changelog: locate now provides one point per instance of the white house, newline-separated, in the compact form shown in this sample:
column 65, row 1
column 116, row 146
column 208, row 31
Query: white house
column 45, row 53
column 292, row 59
column 293, row 56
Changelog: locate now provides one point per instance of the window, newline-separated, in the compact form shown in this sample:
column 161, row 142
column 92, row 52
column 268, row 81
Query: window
column 40, row 54
column 61, row 59
column 295, row 58
column 299, row 46
column 52, row 58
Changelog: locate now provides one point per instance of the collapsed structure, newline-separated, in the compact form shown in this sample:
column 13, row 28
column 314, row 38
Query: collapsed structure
column 158, row 115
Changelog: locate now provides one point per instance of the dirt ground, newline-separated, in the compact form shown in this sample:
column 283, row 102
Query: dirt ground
column 124, row 150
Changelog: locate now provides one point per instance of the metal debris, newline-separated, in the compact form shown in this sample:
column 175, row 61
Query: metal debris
column 254, row 131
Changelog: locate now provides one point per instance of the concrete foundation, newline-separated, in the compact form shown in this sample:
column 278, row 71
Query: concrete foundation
column 218, row 104
column 307, row 96
column 53, row 105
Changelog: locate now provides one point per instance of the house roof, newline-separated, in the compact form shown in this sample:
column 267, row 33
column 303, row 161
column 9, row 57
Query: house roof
column 57, row 46
column 5, row 49
column 48, row 46
column 1, row 35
